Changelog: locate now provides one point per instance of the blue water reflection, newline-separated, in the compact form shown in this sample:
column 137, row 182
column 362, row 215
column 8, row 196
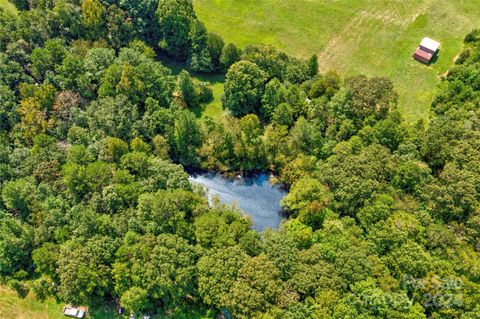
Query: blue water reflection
column 253, row 195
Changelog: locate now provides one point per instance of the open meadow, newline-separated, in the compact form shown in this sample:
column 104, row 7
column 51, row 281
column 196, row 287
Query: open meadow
column 8, row 6
column 14, row 307
column 371, row 37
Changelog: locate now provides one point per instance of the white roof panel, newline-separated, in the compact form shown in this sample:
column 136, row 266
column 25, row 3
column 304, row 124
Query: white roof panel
column 430, row 44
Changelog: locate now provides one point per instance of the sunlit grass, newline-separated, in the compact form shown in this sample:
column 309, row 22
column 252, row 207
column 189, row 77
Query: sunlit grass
column 8, row 6
column 14, row 307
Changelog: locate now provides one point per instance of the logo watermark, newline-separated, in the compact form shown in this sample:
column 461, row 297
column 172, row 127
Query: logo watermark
column 431, row 292
column 434, row 291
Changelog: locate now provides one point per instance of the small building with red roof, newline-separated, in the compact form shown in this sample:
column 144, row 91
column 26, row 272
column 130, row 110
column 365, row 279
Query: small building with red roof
column 426, row 51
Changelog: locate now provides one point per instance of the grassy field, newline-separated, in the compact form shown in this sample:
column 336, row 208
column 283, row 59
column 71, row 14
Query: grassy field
column 371, row 37
column 215, row 108
column 13, row 307
column 8, row 6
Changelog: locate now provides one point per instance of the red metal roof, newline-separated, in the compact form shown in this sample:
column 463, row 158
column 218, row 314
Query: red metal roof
column 422, row 55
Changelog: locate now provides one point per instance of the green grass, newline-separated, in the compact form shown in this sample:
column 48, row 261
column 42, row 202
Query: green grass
column 8, row 6
column 13, row 307
column 371, row 37
column 213, row 109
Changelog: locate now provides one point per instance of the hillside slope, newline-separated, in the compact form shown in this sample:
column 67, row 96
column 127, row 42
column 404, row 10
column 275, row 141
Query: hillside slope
column 371, row 37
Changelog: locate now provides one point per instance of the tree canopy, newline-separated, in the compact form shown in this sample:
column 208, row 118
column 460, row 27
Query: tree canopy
column 96, row 134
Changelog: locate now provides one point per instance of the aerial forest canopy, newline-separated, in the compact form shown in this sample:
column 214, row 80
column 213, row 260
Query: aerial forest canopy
column 96, row 207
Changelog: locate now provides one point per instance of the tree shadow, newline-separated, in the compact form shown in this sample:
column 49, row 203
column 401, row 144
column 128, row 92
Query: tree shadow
column 211, row 78
column 434, row 58
column 176, row 67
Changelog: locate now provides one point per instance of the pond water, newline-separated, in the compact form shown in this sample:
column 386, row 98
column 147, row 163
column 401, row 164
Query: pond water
column 253, row 195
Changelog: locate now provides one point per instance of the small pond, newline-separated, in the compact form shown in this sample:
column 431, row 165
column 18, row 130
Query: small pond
column 253, row 195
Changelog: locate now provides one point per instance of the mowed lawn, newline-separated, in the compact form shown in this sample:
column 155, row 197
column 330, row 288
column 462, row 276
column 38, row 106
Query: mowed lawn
column 371, row 37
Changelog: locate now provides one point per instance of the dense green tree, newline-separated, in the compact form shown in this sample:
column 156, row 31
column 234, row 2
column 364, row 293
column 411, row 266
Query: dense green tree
column 270, row 60
column 379, row 209
column 45, row 259
column 119, row 26
column 19, row 196
column 8, row 106
column 84, row 270
column 45, row 59
column 409, row 259
column 370, row 97
column 230, row 55
column 244, row 87
column 305, row 138
column 21, row 4
column 162, row 265
column 356, row 176
column 142, row 15
column 137, row 82
column 297, row 71
column 163, row 174
column 135, row 162
column 312, row 274
column 305, row 194
column 16, row 241
column 138, row 145
column 283, row 115
column 217, row 271
column 221, row 228
column 327, row 85
column 82, row 180
column 97, row 60
column 313, row 65
column 113, row 116
column 187, row 89
column 215, row 46
column 160, row 146
column 200, row 59
column 135, row 300
column 111, row 149
column 94, row 17
column 383, row 215
column 12, row 73
column 168, row 211
column 70, row 73
column 282, row 251
column 174, row 20
column 453, row 194
column 273, row 96
column 256, row 289
column 412, row 176
column 187, row 138
column 248, row 145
